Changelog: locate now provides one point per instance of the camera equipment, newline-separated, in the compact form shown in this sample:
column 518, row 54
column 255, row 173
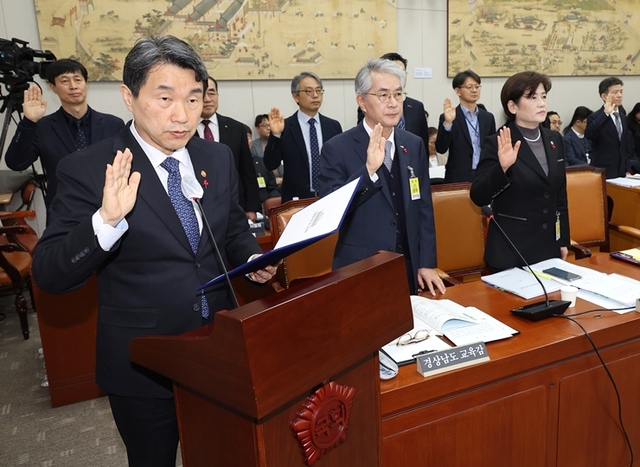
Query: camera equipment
column 17, row 69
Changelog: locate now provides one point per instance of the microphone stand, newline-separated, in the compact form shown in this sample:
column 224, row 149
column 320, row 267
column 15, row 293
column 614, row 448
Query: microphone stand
column 535, row 311
column 218, row 255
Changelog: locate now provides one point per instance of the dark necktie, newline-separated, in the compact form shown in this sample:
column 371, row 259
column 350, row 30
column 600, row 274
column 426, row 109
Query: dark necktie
column 401, row 125
column 315, row 153
column 387, row 155
column 80, row 138
column 616, row 118
column 208, row 135
column 184, row 210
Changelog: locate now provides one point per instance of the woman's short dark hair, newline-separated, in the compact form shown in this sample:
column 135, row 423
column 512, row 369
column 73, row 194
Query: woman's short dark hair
column 522, row 84
column 151, row 51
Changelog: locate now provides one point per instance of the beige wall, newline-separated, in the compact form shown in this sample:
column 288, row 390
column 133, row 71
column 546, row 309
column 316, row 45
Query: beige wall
column 422, row 36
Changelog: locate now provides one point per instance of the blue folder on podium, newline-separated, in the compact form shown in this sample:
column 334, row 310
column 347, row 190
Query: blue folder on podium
column 309, row 225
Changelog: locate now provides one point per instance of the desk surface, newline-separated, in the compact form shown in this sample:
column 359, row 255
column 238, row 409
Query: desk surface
column 532, row 365
column 538, row 344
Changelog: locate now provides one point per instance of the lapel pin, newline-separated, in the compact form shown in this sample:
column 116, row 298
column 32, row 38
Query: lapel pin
column 205, row 182
column 203, row 173
column 553, row 146
column 404, row 149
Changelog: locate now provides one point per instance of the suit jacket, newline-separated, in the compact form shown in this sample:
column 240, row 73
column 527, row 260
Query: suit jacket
column 370, row 225
column 232, row 133
column 50, row 140
column 608, row 151
column 147, row 281
column 271, row 188
column 526, row 202
column 575, row 152
column 290, row 150
column 414, row 119
column 458, row 143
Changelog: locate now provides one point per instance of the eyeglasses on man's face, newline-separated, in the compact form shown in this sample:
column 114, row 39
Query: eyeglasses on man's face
column 471, row 87
column 384, row 96
column 312, row 92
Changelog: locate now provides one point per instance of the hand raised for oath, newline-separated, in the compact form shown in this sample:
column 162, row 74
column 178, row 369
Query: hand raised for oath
column 276, row 121
column 34, row 106
column 507, row 153
column 120, row 189
column 449, row 111
column 375, row 150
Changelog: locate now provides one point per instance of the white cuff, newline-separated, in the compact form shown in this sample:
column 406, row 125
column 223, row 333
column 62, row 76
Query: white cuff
column 107, row 235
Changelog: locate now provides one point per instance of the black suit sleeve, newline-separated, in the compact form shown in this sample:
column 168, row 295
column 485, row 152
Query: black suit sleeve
column 23, row 150
column 247, row 173
column 273, row 152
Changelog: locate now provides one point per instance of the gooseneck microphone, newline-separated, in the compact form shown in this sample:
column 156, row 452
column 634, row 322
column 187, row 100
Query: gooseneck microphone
column 191, row 189
column 535, row 311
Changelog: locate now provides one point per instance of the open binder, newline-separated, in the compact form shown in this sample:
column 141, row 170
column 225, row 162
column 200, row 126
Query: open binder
column 311, row 224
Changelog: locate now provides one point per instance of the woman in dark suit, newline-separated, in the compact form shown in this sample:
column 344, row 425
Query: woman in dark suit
column 521, row 174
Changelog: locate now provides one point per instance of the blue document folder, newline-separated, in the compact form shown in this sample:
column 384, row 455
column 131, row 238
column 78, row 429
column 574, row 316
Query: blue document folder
column 311, row 224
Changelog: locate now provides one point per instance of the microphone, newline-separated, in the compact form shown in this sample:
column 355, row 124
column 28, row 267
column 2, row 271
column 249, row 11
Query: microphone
column 191, row 189
column 539, row 310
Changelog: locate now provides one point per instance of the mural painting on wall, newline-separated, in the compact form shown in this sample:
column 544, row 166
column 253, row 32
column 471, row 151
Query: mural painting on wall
column 561, row 38
column 237, row 39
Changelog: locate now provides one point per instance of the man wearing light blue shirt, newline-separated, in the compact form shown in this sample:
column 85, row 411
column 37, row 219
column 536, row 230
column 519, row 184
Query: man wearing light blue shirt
column 462, row 129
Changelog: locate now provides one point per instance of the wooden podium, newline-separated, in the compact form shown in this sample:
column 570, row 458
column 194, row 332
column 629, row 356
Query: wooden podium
column 299, row 367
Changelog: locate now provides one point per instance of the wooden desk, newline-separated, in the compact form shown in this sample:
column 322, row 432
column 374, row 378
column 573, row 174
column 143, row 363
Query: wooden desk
column 543, row 399
column 626, row 211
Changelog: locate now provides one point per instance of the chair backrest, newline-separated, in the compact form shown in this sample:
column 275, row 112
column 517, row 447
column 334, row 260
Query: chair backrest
column 588, row 207
column 312, row 261
column 271, row 203
column 460, row 235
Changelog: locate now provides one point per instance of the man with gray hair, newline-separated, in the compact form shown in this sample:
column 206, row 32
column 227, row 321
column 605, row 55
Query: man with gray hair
column 142, row 235
column 296, row 142
column 392, row 209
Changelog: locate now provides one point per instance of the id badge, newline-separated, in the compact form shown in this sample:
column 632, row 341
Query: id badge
column 557, row 226
column 261, row 182
column 414, row 185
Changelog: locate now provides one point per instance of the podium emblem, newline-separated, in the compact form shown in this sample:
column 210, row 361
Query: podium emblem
column 323, row 421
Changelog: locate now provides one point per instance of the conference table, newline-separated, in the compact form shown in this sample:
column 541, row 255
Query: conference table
column 543, row 399
column 626, row 211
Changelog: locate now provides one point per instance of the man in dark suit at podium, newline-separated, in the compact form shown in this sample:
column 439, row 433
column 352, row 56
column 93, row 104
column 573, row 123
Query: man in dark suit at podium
column 73, row 127
column 133, row 224
column 296, row 142
column 392, row 209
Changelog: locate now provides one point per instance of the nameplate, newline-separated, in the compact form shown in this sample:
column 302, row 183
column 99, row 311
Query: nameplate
column 257, row 229
column 433, row 363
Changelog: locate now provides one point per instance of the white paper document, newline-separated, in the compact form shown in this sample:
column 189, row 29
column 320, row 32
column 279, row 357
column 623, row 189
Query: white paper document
column 521, row 283
column 625, row 181
column 437, row 172
column 605, row 290
column 461, row 325
column 321, row 217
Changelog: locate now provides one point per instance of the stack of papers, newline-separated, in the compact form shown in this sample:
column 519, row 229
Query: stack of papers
column 462, row 325
column 521, row 283
column 625, row 181
column 606, row 290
